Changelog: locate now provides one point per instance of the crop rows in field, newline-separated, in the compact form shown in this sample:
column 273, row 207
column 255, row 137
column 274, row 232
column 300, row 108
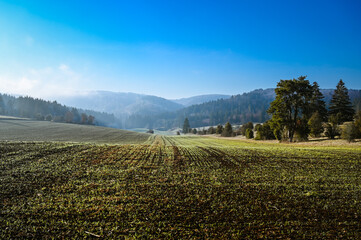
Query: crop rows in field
column 179, row 187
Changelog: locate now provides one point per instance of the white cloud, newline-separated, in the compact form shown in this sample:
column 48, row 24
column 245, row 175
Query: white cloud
column 48, row 83
column 22, row 85
column 63, row 68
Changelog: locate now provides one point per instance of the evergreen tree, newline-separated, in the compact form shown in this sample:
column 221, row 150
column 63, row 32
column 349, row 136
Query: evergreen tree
column 341, row 106
column 211, row 130
column 291, row 106
column 76, row 115
column 186, row 126
column 219, row 129
column 69, row 117
column 91, row 120
column 227, row 131
column 317, row 103
column 2, row 105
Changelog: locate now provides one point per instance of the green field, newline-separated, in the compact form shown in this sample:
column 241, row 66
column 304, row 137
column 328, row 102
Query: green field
column 17, row 129
column 179, row 187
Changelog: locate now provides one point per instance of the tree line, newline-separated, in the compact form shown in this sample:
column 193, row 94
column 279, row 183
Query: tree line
column 299, row 111
column 34, row 108
column 239, row 109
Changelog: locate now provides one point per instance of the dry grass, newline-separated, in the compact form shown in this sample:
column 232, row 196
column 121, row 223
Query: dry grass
column 16, row 129
column 312, row 142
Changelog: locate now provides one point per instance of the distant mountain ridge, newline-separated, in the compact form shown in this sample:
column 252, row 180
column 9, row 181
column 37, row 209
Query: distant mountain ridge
column 122, row 104
column 238, row 109
column 125, row 104
column 200, row 99
column 131, row 110
column 242, row 108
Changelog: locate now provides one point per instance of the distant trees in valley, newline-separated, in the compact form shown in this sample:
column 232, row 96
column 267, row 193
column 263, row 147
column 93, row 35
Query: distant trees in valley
column 294, row 111
column 237, row 110
column 34, row 108
column 299, row 111
column 186, row 126
column 227, row 131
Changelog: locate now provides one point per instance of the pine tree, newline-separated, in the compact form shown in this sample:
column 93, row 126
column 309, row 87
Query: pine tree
column 341, row 106
column 219, row 129
column 317, row 104
column 227, row 131
column 2, row 105
column 186, row 126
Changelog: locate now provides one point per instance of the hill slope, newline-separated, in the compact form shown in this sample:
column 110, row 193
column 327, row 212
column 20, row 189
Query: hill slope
column 121, row 104
column 200, row 99
column 243, row 108
column 12, row 129
column 237, row 109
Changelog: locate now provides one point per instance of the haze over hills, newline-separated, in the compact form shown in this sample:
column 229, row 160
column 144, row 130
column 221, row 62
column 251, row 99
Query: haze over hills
column 131, row 110
column 238, row 109
column 121, row 104
column 125, row 104
column 200, row 99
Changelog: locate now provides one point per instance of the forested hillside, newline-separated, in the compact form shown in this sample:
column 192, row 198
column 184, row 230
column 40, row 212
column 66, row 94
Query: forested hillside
column 238, row 109
column 186, row 102
column 28, row 107
column 121, row 104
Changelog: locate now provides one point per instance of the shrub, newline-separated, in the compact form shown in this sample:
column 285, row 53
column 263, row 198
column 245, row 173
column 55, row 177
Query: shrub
column 349, row 132
column 315, row 125
column 246, row 126
column 358, row 124
column 211, row 130
column 264, row 132
column 332, row 128
column 48, row 117
column 249, row 133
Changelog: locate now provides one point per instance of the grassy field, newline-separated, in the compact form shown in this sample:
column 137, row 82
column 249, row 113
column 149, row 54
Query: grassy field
column 17, row 129
column 179, row 188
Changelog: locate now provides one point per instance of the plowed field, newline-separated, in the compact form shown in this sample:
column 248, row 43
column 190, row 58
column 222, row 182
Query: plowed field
column 179, row 188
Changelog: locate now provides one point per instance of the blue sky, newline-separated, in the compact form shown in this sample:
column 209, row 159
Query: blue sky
column 176, row 49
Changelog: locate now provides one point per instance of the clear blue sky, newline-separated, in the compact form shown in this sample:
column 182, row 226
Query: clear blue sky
column 176, row 49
